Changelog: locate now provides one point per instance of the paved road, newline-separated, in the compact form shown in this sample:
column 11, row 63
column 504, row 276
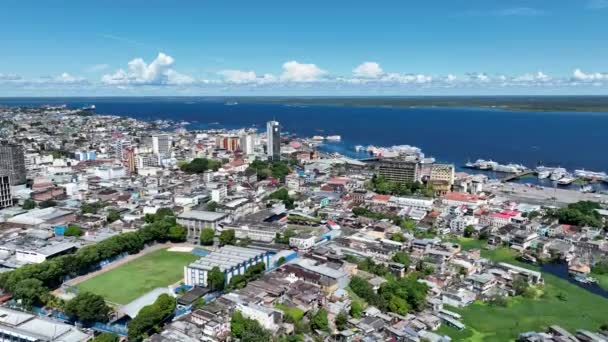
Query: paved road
column 544, row 196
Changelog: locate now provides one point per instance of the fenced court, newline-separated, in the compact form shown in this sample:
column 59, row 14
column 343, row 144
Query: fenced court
column 133, row 279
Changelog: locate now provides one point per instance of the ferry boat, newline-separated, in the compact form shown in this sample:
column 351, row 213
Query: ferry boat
column 566, row 180
column 509, row 168
column 333, row 138
column 88, row 108
column 544, row 174
column 558, row 173
column 590, row 174
column 318, row 138
column 359, row 148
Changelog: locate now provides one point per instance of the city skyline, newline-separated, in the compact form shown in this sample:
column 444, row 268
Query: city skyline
column 436, row 48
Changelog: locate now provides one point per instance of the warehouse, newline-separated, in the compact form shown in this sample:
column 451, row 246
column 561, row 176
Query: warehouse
column 231, row 260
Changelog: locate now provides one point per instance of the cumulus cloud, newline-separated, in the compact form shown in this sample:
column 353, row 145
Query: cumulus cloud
column 580, row 75
column 158, row 72
column 301, row 72
column 537, row 77
column 368, row 70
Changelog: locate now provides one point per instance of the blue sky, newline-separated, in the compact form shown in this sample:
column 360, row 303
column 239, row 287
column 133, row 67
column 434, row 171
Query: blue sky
column 304, row 48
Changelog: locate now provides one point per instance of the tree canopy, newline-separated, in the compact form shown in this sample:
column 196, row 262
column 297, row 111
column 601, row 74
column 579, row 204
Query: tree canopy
column 207, row 236
column 150, row 318
column 88, row 307
column 245, row 329
column 227, row 237
column 216, row 279
column 200, row 165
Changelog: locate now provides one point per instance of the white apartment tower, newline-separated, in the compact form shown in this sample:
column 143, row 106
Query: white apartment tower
column 273, row 140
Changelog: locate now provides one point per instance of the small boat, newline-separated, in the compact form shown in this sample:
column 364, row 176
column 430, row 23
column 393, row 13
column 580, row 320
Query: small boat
column 566, row 180
column 587, row 188
column 231, row 103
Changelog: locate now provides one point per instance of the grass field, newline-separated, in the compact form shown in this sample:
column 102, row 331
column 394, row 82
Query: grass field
column 577, row 309
column 133, row 279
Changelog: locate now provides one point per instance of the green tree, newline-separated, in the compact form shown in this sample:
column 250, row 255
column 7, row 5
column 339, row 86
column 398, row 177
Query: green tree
column 113, row 216
column 88, row 307
column 29, row 204
column 245, row 329
column 216, row 279
column 281, row 261
column 177, row 233
column 520, row 285
column 319, row 320
column 47, row 204
column 106, row 337
column 149, row 319
column 356, row 309
column 398, row 237
column 207, row 236
column 469, row 231
column 402, row 258
column 200, row 165
column 73, row 230
column 212, row 206
column 30, row 292
column 227, row 237
column 341, row 320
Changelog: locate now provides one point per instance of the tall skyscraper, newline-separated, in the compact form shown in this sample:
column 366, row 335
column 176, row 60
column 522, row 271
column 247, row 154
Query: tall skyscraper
column 6, row 200
column 12, row 162
column 161, row 145
column 273, row 140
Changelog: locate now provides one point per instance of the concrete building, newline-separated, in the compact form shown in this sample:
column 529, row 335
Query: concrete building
column 110, row 172
column 46, row 216
column 161, row 145
column 229, row 143
column 231, row 260
column 394, row 170
column 12, row 162
column 442, row 177
column 197, row 220
column 6, row 198
column 147, row 160
column 25, row 327
column 273, row 140
column 302, row 241
column 247, row 143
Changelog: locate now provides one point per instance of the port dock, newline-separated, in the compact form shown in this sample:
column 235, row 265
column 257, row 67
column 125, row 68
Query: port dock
column 515, row 176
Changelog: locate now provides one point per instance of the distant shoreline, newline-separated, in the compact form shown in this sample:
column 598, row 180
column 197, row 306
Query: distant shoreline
column 570, row 103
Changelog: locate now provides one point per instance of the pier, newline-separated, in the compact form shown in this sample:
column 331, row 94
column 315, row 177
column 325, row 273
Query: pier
column 517, row 175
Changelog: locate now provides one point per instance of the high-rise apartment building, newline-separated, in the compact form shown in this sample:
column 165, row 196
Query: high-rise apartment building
column 247, row 143
column 6, row 199
column 161, row 145
column 12, row 162
column 273, row 140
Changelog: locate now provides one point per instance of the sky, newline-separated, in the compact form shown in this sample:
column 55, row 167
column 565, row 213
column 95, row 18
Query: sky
column 430, row 47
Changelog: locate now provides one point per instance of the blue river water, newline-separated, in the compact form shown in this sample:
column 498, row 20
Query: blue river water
column 572, row 140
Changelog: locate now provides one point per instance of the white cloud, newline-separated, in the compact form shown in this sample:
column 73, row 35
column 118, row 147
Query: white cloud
column 67, row 78
column 238, row 76
column 244, row 77
column 537, row 77
column 368, row 70
column 407, row 78
column 158, row 72
column 300, row 72
column 580, row 75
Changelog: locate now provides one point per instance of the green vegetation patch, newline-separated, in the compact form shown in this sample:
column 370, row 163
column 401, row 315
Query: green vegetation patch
column 133, row 279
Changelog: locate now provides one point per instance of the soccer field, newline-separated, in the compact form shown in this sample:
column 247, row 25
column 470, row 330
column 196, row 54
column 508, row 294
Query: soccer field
column 135, row 278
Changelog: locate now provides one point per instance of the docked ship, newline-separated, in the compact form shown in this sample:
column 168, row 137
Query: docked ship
column 543, row 174
column 566, row 180
column 509, row 168
column 558, row 173
column 333, row 138
column 482, row 164
column 591, row 175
